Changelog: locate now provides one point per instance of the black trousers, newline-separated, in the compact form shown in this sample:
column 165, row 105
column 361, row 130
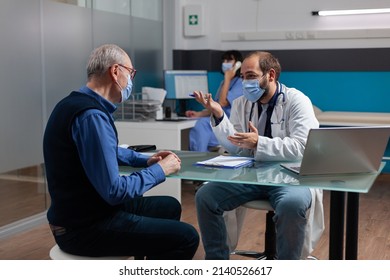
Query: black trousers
column 146, row 226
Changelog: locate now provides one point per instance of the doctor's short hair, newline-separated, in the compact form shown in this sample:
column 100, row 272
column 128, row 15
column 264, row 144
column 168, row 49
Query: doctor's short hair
column 104, row 57
column 267, row 62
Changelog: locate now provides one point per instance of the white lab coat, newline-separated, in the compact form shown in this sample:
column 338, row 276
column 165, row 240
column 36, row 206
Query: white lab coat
column 291, row 120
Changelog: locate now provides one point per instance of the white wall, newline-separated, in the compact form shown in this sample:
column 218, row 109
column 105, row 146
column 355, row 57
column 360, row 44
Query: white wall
column 224, row 17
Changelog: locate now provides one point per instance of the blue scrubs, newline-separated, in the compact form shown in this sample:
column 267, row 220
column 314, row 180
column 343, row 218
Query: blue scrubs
column 201, row 135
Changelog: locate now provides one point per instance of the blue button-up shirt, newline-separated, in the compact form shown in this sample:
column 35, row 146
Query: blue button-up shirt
column 97, row 146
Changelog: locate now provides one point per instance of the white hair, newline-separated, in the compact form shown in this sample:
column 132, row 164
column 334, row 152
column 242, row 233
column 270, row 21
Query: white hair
column 104, row 57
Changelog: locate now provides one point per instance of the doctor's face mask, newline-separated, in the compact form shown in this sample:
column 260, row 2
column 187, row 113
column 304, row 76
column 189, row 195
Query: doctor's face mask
column 252, row 89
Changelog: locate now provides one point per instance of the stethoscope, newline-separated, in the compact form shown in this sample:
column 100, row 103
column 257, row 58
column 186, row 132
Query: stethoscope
column 271, row 107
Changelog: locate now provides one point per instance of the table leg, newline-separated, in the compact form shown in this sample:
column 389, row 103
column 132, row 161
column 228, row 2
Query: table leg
column 352, row 226
column 336, row 225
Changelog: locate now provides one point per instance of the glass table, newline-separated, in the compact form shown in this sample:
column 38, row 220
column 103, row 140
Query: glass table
column 344, row 190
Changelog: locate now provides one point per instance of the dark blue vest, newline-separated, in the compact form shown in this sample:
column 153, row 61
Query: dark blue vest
column 74, row 201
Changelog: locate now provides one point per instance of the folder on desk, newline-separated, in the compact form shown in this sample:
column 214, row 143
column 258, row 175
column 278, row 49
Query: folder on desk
column 227, row 161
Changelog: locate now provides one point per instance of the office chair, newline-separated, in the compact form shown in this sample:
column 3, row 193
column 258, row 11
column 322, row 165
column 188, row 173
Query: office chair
column 269, row 252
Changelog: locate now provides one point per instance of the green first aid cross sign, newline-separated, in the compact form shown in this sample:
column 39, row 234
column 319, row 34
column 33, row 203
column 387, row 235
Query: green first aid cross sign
column 193, row 20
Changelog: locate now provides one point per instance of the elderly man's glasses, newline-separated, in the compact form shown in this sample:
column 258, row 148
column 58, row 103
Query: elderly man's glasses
column 131, row 70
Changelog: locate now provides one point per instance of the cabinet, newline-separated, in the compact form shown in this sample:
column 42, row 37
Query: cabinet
column 168, row 135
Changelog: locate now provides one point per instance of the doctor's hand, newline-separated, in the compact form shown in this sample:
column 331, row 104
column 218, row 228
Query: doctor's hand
column 170, row 163
column 207, row 101
column 247, row 140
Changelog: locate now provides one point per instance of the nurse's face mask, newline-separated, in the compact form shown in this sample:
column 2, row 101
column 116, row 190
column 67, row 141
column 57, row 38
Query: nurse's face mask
column 226, row 66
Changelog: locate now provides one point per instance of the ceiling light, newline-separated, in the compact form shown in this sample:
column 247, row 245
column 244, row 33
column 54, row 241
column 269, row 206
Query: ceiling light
column 350, row 12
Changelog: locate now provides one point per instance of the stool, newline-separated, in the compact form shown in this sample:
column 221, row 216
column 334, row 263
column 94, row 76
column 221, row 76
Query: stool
column 57, row 254
column 269, row 252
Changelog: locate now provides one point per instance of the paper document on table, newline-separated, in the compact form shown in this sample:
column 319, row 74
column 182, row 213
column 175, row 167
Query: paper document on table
column 227, row 161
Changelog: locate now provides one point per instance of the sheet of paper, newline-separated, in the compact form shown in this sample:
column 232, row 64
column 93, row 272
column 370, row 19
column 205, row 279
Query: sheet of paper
column 227, row 161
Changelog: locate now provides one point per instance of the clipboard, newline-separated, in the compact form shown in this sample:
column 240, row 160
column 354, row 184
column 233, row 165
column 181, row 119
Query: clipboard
column 227, row 162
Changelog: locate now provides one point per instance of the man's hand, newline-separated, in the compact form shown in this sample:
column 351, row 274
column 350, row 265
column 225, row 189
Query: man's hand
column 247, row 140
column 170, row 164
column 169, row 161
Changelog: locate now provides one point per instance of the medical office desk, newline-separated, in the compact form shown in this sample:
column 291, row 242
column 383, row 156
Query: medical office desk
column 169, row 135
column 271, row 174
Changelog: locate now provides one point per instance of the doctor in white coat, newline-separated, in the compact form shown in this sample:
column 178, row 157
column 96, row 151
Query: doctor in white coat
column 270, row 122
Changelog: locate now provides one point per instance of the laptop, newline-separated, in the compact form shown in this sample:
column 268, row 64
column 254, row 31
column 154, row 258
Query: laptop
column 342, row 150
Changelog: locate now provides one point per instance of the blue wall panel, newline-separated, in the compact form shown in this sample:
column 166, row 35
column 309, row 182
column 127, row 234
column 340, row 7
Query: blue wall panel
column 343, row 91
column 335, row 91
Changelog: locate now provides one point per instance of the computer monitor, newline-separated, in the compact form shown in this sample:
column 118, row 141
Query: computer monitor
column 180, row 83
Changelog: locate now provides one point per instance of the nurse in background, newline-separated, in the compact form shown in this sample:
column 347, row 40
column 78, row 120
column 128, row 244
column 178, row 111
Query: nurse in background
column 201, row 135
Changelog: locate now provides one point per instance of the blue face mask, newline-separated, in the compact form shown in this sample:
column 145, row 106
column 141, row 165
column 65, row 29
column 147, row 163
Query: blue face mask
column 252, row 90
column 226, row 66
column 126, row 92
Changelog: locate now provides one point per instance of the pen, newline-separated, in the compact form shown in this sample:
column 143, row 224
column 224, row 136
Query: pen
column 193, row 95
